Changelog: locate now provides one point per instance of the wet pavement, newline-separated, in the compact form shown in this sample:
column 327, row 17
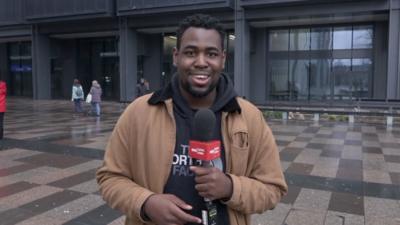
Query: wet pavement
column 338, row 173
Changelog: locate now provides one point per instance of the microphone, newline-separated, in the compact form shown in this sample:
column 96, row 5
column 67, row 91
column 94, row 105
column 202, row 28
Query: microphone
column 203, row 148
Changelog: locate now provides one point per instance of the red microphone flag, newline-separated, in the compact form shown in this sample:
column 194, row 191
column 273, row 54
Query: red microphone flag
column 205, row 151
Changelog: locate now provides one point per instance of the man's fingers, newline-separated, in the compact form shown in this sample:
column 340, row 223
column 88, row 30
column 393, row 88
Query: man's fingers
column 180, row 214
column 179, row 202
column 202, row 187
column 196, row 169
column 187, row 218
column 200, row 171
column 207, row 196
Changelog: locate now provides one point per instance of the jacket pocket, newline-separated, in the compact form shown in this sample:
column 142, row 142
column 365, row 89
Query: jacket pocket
column 239, row 153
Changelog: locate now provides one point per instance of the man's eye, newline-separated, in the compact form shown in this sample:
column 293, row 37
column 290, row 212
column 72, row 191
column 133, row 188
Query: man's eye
column 212, row 54
column 189, row 53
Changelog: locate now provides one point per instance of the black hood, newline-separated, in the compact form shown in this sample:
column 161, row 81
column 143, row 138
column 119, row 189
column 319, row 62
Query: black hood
column 225, row 93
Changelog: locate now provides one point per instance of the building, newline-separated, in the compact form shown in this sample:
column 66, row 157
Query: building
column 278, row 50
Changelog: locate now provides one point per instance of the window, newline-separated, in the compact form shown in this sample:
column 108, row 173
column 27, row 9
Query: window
column 278, row 70
column 299, row 39
column 321, row 38
column 342, row 78
column 342, row 38
column 279, row 40
column 329, row 62
column 299, row 74
column 362, row 37
column 319, row 79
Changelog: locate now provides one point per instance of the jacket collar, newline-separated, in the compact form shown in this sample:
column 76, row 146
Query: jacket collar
column 162, row 95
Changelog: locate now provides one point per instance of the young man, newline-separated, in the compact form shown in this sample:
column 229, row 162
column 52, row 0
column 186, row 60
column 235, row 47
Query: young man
column 147, row 173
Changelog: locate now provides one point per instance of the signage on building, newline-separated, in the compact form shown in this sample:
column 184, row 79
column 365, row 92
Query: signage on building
column 21, row 68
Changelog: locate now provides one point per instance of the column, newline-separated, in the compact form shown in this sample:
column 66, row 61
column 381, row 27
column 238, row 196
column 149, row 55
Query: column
column 242, row 54
column 40, row 64
column 127, row 61
column 393, row 81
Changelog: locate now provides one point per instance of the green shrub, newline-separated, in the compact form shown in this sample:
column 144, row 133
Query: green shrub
column 272, row 114
column 332, row 117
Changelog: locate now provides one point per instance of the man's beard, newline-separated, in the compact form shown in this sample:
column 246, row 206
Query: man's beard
column 197, row 94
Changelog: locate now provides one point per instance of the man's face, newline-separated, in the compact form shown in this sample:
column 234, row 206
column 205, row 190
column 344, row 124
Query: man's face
column 199, row 61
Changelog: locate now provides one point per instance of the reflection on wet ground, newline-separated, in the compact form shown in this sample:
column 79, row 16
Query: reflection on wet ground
column 337, row 173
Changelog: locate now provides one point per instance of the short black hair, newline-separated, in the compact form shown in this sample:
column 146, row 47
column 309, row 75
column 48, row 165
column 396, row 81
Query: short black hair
column 200, row 21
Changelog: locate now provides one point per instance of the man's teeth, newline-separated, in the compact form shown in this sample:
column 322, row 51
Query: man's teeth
column 201, row 76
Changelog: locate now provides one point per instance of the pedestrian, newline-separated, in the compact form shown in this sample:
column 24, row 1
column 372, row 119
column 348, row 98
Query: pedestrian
column 77, row 95
column 3, row 94
column 142, row 88
column 147, row 173
column 147, row 86
column 96, row 92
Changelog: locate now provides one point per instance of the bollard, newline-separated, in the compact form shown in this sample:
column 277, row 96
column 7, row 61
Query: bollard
column 351, row 118
column 284, row 115
column 389, row 121
column 316, row 117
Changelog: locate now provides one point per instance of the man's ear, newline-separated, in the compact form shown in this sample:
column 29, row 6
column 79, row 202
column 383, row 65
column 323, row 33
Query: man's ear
column 175, row 53
column 223, row 59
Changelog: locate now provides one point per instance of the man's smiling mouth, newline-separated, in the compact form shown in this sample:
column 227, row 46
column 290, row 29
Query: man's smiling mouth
column 200, row 79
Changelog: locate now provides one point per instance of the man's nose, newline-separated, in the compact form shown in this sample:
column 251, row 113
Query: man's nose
column 201, row 61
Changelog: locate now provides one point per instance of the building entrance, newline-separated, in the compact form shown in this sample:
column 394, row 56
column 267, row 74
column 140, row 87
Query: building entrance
column 20, row 69
column 97, row 59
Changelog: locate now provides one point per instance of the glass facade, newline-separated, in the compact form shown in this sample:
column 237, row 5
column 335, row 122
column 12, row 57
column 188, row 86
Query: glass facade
column 20, row 68
column 320, row 63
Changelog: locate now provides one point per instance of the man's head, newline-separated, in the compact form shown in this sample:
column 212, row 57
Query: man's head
column 199, row 21
column 199, row 55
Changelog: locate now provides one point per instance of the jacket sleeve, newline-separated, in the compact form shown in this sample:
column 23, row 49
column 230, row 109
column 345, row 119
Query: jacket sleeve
column 83, row 93
column 263, row 184
column 3, row 89
column 117, row 186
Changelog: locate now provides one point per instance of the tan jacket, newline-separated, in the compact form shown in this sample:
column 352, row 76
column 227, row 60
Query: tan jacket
column 138, row 160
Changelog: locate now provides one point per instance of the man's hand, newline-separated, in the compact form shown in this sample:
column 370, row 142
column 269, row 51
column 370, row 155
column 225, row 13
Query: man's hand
column 167, row 209
column 212, row 183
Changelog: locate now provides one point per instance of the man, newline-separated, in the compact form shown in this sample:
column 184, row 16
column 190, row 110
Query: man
column 147, row 173
column 142, row 87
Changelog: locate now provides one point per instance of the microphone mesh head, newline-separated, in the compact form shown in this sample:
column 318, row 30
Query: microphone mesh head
column 203, row 125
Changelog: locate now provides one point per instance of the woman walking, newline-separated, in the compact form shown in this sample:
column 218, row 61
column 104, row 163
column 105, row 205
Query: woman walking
column 96, row 92
column 77, row 95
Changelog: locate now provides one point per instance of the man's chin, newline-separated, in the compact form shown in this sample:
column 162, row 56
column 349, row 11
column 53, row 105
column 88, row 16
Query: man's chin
column 198, row 94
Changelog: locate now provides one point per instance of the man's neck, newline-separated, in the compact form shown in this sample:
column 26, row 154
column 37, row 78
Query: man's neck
column 198, row 103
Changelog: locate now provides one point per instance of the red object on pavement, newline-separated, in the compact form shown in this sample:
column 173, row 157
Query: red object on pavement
column 3, row 92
